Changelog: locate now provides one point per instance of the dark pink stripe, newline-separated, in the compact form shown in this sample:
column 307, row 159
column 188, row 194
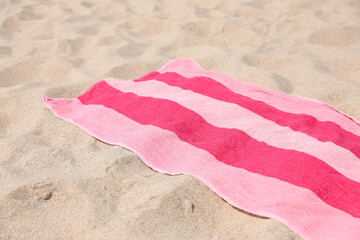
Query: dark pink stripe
column 232, row 146
column 323, row 131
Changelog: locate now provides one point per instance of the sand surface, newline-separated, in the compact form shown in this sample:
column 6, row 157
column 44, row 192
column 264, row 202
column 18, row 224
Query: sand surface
column 57, row 182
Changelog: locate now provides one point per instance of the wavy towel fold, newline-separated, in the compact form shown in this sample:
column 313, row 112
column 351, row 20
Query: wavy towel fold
column 282, row 156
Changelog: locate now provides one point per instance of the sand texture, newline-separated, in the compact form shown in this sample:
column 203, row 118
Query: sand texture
column 57, row 182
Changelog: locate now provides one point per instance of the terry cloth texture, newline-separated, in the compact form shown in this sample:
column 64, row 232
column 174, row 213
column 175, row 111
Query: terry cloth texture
column 290, row 158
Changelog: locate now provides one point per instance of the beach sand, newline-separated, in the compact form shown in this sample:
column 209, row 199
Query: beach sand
column 57, row 182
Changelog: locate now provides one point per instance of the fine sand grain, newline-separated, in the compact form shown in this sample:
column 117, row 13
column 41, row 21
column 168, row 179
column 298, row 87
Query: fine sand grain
column 57, row 182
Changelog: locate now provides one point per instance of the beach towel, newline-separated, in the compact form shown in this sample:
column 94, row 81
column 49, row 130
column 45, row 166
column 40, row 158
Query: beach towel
column 286, row 157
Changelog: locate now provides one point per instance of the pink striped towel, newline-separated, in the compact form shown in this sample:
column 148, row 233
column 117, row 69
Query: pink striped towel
column 282, row 156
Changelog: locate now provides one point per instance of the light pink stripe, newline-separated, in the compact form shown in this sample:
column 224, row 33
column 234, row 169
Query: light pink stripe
column 228, row 115
column 284, row 102
column 164, row 152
